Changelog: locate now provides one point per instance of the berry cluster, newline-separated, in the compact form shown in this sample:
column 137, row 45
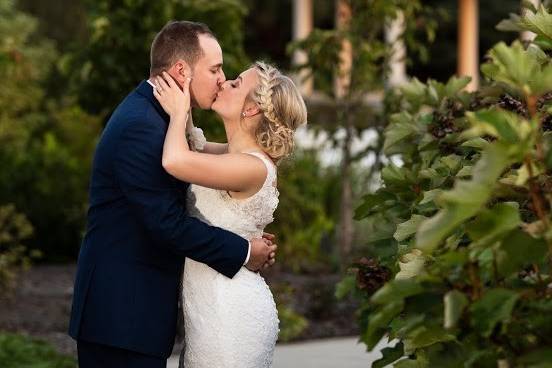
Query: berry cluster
column 444, row 121
column 370, row 275
column 507, row 102
column 542, row 105
column 547, row 123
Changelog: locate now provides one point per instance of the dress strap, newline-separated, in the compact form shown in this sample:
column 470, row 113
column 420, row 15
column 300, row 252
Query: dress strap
column 270, row 167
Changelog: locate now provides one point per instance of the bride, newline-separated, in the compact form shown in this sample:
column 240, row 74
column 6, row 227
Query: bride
column 231, row 322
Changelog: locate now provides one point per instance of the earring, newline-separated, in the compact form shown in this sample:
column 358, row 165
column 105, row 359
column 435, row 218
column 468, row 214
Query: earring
column 243, row 114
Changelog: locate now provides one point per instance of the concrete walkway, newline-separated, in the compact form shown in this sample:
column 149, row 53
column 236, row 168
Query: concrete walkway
column 326, row 353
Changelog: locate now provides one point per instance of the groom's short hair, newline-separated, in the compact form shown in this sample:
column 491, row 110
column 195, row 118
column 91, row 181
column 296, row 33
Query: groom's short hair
column 177, row 40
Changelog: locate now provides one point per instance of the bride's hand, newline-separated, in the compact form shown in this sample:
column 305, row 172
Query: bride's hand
column 175, row 101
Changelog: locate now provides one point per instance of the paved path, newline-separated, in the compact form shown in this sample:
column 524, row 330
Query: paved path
column 326, row 353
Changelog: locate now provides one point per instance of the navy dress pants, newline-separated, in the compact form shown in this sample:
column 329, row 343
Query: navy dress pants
column 93, row 355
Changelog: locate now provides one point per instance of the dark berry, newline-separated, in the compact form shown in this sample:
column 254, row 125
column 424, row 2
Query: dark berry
column 370, row 275
column 509, row 103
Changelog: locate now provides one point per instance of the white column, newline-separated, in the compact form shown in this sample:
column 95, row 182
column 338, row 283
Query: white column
column 394, row 30
column 528, row 36
column 302, row 27
column 468, row 41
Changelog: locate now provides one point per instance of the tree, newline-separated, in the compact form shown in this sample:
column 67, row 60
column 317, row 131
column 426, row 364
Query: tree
column 116, row 58
column 354, row 55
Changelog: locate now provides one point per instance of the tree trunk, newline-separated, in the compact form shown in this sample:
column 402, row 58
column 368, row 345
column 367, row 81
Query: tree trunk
column 346, row 229
column 342, row 83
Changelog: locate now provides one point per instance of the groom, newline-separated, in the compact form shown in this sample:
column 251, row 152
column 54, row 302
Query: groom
column 139, row 233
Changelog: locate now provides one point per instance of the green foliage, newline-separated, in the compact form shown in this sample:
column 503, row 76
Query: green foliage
column 389, row 355
column 46, row 144
column 292, row 324
column 14, row 228
column 18, row 351
column 116, row 58
column 360, row 37
column 467, row 216
column 304, row 218
column 47, row 179
column 20, row 71
column 370, row 52
column 535, row 21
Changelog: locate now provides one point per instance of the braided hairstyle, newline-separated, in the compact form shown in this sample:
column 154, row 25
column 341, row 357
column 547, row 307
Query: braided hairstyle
column 283, row 111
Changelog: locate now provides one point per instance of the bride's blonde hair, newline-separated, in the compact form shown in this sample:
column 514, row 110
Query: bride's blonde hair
column 283, row 111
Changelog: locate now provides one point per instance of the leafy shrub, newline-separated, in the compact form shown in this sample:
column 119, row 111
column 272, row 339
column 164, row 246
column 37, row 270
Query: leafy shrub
column 304, row 218
column 46, row 144
column 18, row 351
column 292, row 324
column 14, row 228
column 464, row 225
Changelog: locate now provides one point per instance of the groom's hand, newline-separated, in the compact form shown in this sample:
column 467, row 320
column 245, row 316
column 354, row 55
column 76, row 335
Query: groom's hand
column 262, row 252
column 269, row 236
column 272, row 256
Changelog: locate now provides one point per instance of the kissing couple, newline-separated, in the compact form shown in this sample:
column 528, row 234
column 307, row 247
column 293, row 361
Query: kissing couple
column 173, row 217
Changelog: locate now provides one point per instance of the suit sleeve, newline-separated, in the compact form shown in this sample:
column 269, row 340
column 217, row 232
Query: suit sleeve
column 154, row 197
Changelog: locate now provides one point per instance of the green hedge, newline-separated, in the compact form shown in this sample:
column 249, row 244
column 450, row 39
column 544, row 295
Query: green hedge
column 17, row 351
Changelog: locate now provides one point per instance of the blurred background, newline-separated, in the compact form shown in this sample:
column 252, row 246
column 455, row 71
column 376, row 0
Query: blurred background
column 66, row 64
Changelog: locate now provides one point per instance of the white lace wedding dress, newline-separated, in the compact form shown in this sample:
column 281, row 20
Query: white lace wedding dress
column 230, row 323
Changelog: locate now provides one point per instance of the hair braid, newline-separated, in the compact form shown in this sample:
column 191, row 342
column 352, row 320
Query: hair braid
column 283, row 111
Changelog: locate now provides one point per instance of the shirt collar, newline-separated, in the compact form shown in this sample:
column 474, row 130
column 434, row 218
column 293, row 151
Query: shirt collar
column 147, row 91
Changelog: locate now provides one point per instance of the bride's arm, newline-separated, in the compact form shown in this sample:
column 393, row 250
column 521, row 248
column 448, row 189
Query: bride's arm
column 237, row 172
column 215, row 148
column 208, row 147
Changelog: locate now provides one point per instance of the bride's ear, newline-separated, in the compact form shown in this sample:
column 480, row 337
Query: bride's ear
column 251, row 110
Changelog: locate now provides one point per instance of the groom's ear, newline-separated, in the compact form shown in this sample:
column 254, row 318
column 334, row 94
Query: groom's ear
column 180, row 71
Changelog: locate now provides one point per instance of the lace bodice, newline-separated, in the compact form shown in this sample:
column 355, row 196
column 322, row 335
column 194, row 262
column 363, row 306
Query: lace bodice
column 230, row 323
column 246, row 217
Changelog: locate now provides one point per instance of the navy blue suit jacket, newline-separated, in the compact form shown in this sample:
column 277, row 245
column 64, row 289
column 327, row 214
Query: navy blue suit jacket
column 138, row 235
